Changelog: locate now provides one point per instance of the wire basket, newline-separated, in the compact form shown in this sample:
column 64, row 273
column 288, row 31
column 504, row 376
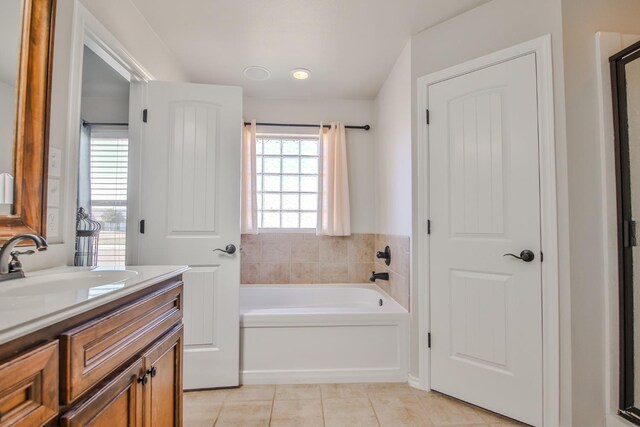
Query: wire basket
column 87, row 234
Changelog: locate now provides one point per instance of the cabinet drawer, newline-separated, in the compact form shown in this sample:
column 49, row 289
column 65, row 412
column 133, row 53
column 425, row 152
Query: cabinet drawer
column 29, row 387
column 93, row 350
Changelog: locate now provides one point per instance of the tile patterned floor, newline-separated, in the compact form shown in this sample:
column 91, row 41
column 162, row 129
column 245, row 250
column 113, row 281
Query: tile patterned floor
column 332, row 405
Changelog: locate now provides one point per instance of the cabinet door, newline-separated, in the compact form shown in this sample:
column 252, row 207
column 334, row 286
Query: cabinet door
column 118, row 403
column 29, row 387
column 163, row 392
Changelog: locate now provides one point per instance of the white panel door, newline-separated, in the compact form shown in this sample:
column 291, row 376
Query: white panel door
column 190, row 202
column 484, row 202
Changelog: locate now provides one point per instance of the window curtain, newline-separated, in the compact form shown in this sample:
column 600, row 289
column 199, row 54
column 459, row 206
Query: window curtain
column 84, row 169
column 249, row 209
column 334, row 215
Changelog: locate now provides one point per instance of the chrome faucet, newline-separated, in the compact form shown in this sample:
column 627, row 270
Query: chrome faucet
column 10, row 265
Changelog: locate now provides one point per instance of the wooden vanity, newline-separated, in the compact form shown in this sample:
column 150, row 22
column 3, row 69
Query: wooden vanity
column 117, row 364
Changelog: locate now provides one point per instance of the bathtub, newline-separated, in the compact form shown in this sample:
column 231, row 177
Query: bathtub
column 321, row 334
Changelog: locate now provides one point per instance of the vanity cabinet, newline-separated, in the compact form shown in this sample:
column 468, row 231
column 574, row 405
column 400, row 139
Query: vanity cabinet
column 117, row 365
column 118, row 402
column 29, row 387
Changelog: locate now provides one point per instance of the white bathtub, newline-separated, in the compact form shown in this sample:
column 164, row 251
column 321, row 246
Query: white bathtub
column 321, row 333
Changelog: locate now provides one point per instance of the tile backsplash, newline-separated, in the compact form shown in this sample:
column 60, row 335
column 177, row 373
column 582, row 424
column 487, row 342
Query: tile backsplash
column 304, row 258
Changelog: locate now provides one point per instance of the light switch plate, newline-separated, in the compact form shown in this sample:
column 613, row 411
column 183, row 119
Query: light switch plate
column 55, row 162
column 53, row 223
column 53, row 193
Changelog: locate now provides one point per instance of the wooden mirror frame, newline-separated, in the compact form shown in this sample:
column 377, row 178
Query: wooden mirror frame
column 32, row 122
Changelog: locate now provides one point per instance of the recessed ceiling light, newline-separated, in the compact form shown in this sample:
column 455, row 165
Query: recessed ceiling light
column 256, row 72
column 300, row 74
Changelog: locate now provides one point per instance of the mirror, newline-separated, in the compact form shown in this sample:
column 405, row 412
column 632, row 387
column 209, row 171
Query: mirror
column 26, row 31
column 633, row 115
column 11, row 17
column 625, row 73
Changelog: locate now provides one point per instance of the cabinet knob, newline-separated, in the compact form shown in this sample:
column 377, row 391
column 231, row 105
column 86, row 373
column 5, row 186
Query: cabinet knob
column 144, row 379
column 152, row 372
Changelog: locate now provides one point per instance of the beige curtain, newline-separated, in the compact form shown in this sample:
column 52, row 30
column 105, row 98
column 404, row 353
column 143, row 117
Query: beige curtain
column 249, row 208
column 334, row 215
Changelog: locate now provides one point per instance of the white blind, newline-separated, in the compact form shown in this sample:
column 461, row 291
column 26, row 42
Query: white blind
column 109, row 177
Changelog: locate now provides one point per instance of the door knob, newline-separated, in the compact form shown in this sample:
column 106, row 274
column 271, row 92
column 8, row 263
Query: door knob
column 230, row 249
column 526, row 256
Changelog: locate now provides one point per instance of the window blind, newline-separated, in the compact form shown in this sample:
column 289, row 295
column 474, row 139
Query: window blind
column 109, row 179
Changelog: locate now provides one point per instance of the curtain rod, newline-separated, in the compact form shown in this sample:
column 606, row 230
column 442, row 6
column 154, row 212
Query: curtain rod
column 84, row 123
column 365, row 127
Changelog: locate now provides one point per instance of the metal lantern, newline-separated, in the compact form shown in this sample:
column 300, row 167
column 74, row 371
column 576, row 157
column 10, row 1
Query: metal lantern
column 87, row 233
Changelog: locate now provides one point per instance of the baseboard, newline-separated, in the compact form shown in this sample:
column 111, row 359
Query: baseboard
column 415, row 382
column 323, row 376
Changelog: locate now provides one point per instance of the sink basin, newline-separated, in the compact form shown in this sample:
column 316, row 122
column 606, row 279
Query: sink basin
column 94, row 281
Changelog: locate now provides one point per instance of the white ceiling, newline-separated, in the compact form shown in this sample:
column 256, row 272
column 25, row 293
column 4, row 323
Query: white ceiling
column 349, row 45
column 10, row 26
column 101, row 80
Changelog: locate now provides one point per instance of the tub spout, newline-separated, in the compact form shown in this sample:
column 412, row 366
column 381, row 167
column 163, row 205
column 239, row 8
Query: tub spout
column 378, row 276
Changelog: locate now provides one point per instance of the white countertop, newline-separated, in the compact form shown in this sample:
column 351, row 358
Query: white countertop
column 49, row 296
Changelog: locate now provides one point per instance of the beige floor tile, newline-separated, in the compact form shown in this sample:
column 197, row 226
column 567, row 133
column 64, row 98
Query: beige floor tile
column 254, row 413
column 297, row 422
column 203, row 396
column 330, row 391
column 352, row 422
column 201, row 416
column 297, row 391
column 445, row 411
column 201, row 408
column 390, row 389
column 356, row 411
column 469, row 425
column 242, row 423
column 287, row 409
column 400, row 411
column 251, row 392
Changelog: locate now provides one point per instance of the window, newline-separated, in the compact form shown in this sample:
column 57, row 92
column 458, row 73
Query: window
column 287, row 181
column 109, row 171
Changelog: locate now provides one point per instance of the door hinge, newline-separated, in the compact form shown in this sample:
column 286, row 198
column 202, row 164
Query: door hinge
column 427, row 116
column 629, row 237
column 541, row 256
column 428, row 226
column 429, row 340
column 144, row 115
column 142, row 223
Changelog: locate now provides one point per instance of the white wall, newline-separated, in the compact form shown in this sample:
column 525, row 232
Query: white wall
column 581, row 20
column 360, row 143
column 124, row 21
column 7, row 133
column 488, row 28
column 392, row 109
column 7, row 126
column 101, row 109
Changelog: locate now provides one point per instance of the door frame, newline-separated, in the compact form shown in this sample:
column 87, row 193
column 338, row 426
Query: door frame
column 88, row 31
column 541, row 47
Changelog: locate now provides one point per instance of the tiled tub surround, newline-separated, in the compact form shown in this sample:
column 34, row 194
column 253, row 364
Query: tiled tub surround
column 304, row 258
column 399, row 271
column 300, row 258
